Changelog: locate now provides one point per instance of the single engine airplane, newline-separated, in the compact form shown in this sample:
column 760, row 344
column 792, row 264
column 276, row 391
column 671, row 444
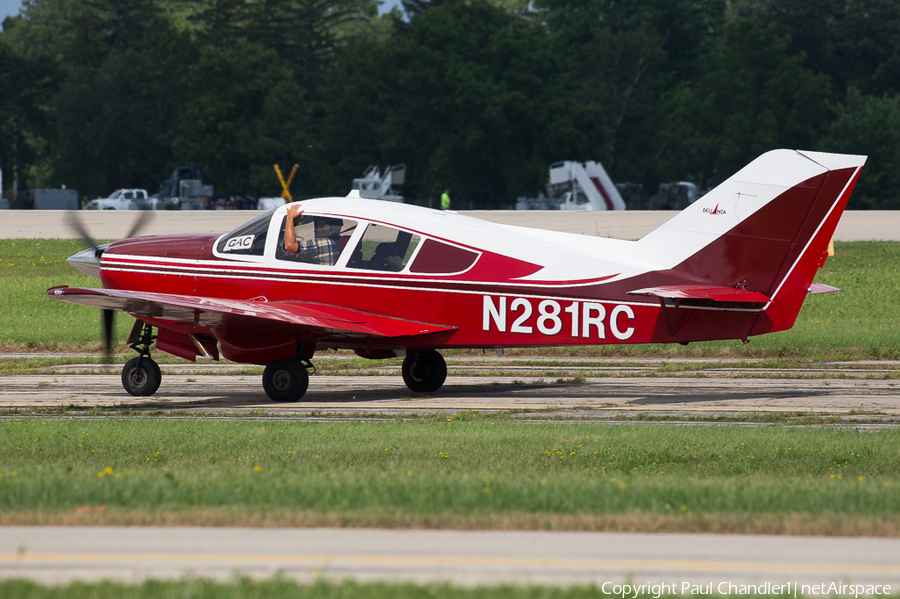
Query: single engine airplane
column 402, row 280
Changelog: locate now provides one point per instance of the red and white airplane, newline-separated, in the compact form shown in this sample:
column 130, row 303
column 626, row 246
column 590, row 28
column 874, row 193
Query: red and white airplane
column 408, row 281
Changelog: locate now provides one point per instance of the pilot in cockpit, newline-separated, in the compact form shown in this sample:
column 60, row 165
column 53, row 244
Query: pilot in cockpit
column 388, row 256
column 324, row 249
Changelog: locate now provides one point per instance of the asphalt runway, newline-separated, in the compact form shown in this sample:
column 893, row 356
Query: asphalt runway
column 588, row 392
column 61, row 554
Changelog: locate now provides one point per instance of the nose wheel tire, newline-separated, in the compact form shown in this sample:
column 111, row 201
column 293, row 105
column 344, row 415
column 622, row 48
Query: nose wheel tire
column 285, row 380
column 425, row 372
column 141, row 376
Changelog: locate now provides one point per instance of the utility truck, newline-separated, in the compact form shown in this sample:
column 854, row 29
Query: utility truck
column 124, row 199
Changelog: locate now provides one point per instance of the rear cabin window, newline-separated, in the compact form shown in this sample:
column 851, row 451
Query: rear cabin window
column 321, row 239
column 384, row 248
column 437, row 257
column 248, row 239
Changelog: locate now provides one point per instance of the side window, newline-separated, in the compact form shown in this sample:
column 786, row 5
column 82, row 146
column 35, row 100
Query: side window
column 321, row 239
column 437, row 257
column 248, row 239
column 384, row 248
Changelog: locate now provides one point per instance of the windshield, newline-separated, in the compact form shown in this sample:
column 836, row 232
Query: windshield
column 247, row 240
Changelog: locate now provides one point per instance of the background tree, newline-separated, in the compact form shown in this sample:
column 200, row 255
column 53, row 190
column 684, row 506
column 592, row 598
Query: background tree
column 752, row 96
column 619, row 77
column 622, row 60
column 25, row 117
column 870, row 125
column 121, row 65
column 236, row 132
column 854, row 41
column 476, row 95
column 466, row 106
column 359, row 89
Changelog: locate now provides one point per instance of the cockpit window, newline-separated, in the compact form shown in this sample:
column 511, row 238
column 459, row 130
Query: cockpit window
column 248, row 239
column 321, row 239
column 437, row 257
column 384, row 248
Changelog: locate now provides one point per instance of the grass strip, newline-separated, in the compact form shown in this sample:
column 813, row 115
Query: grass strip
column 841, row 525
column 437, row 474
column 279, row 587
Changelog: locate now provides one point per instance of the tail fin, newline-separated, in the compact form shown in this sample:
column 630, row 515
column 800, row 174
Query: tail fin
column 765, row 230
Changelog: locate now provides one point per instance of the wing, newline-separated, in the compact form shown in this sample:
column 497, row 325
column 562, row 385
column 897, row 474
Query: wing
column 212, row 312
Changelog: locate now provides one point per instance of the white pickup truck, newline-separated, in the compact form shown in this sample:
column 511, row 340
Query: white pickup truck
column 124, row 199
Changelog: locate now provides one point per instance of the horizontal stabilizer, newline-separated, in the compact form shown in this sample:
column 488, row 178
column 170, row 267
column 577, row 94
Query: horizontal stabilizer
column 703, row 292
column 821, row 288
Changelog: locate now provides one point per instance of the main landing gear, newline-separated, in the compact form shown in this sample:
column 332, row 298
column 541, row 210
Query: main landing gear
column 287, row 379
column 424, row 372
column 141, row 376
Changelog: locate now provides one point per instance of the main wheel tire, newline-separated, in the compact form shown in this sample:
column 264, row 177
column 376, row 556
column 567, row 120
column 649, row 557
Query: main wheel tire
column 285, row 380
column 141, row 376
column 425, row 372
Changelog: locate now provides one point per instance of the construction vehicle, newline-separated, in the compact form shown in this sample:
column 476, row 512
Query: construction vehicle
column 634, row 196
column 677, row 195
column 185, row 190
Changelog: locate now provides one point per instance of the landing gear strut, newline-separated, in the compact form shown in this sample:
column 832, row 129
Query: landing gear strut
column 424, row 372
column 141, row 376
column 287, row 379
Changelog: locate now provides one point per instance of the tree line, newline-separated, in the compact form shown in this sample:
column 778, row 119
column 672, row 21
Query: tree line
column 478, row 96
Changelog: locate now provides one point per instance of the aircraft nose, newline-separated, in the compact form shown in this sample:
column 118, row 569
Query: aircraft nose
column 88, row 261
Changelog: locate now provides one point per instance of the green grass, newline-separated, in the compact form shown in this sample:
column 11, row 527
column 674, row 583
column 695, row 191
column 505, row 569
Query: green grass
column 279, row 588
column 863, row 315
column 450, row 469
column 857, row 322
column 28, row 320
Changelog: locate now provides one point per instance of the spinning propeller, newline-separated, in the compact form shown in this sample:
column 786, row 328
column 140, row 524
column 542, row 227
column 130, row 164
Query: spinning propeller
column 74, row 222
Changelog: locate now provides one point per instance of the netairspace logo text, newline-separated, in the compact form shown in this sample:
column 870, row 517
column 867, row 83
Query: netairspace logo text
column 633, row 591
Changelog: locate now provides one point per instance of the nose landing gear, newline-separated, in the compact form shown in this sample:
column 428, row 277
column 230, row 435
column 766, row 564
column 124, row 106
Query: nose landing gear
column 141, row 376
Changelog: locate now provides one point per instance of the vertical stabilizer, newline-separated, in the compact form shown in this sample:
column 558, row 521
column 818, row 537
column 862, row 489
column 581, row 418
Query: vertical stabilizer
column 766, row 229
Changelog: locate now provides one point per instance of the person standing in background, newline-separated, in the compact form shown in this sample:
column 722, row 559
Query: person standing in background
column 445, row 200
